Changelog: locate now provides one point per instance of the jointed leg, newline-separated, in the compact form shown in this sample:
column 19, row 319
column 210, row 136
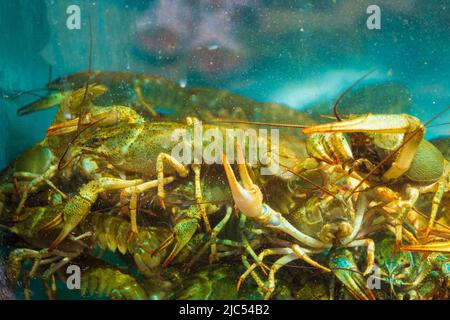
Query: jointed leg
column 399, row 224
column 82, row 236
column 412, row 195
column 130, row 195
column 265, row 252
column 247, row 246
column 56, row 266
column 215, row 232
column 437, row 198
column 50, row 289
column 213, row 239
column 40, row 258
column 261, row 286
column 303, row 254
column 370, row 252
column 390, row 224
column 175, row 164
column 199, row 197
column 275, row 267
column 78, row 207
column 36, row 179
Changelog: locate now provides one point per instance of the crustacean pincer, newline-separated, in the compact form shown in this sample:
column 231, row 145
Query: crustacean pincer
column 391, row 148
column 411, row 274
column 131, row 149
column 45, row 262
column 249, row 200
column 28, row 173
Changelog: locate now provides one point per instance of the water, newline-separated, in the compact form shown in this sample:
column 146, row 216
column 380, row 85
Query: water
column 292, row 52
column 299, row 53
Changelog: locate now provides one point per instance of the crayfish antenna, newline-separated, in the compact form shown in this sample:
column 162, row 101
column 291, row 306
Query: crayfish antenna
column 339, row 99
column 83, row 101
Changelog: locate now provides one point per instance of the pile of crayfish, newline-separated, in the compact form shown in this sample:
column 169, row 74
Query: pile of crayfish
column 356, row 208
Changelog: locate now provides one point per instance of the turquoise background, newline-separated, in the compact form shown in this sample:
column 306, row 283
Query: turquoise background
column 297, row 52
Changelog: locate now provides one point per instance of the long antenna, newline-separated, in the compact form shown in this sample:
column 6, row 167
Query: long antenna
column 269, row 124
column 286, row 125
column 86, row 87
column 62, row 166
column 439, row 124
column 82, row 103
column 14, row 94
column 338, row 101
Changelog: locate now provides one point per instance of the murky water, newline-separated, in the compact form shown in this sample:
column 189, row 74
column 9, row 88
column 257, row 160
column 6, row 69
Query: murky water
column 302, row 54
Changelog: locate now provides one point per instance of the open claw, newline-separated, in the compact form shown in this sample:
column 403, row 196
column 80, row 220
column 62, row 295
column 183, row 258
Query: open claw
column 79, row 206
column 175, row 250
column 73, row 98
column 345, row 269
column 48, row 102
column 248, row 198
column 263, row 267
column 183, row 232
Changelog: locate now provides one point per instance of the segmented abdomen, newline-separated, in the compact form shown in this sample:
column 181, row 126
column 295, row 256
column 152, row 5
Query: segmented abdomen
column 111, row 282
column 113, row 233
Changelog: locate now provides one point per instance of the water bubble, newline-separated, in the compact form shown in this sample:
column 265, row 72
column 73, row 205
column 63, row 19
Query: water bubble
column 213, row 46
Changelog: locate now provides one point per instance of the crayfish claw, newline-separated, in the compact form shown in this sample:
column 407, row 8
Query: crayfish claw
column 346, row 270
column 248, row 198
